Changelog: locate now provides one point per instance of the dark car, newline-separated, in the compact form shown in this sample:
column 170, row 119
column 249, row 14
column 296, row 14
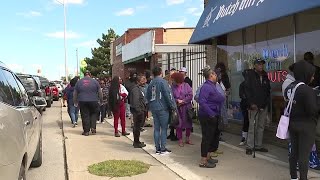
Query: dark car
column 32, row 85
column 55, row 91
column 45, row 85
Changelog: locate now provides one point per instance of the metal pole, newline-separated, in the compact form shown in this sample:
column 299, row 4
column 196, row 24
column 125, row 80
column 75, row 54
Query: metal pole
column 77, row 62
column 65, row 41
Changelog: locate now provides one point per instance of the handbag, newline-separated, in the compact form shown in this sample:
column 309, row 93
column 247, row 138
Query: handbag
column 191, row 114
column 282, row 130
column 174, row 119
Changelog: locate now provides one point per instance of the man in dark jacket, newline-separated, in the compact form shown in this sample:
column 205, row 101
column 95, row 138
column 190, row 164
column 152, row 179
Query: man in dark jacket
column 309, row 57
column 87, row 94
column 244, row 110
column 257, row 89
column 138, row 109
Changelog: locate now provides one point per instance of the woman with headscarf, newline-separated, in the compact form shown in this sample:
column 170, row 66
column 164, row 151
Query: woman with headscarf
column 182, row 94
column 117, row 97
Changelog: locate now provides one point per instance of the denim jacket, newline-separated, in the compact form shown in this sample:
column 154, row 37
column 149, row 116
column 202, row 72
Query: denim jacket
column 159, row 95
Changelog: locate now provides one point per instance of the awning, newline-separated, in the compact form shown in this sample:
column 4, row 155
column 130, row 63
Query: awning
column 224, row 16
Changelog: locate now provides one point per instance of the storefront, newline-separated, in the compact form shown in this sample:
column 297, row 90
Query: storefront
column 278, row 31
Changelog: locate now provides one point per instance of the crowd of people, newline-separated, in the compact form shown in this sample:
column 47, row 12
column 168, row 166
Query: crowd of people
column 169, row 98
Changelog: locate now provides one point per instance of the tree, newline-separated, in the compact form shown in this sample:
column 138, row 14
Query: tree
column 100, row 60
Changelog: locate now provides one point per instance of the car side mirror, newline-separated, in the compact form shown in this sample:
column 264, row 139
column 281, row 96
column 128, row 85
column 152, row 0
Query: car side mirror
column 39, row 102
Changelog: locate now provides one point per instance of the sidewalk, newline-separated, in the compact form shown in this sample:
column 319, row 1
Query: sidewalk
column 181, row 164
column 82, row 151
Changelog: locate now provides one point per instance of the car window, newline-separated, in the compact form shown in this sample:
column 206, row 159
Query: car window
column 5, row 92
column 18, row 93
column 38, row 83
column 28, row 83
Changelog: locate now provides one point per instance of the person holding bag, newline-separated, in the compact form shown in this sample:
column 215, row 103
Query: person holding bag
column 182, row 94
column 303, row 118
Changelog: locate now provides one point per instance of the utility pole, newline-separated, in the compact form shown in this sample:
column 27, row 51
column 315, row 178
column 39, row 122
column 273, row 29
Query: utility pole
column 77, row 62
column 65, row 41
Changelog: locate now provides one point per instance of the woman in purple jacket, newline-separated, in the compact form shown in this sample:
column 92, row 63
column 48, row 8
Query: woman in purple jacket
column 210, row 101
column 182, row 94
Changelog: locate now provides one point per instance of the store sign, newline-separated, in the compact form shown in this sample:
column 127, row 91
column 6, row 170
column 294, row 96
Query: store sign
column 277, row 76
column 229, row 10
column 274, row 58
column 279, row 54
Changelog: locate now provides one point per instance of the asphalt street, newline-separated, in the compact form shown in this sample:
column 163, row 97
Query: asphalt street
column 53, row 155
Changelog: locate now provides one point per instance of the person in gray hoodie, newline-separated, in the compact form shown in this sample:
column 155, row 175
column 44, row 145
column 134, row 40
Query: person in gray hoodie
column 289, row 79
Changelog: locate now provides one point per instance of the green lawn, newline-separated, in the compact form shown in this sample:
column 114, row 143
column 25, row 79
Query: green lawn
column 119, row 168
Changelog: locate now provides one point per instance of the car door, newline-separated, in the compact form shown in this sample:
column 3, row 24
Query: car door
column 23, row 105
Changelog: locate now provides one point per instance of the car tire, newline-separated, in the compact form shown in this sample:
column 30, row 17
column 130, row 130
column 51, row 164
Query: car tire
column 49, row 103
column 22, row 172
column 37, row 158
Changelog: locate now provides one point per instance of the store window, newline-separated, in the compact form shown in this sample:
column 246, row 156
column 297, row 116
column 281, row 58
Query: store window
column 272, row 41
column 308, row 34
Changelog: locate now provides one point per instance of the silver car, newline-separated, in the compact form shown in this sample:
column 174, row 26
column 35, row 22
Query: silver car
column 20, row 127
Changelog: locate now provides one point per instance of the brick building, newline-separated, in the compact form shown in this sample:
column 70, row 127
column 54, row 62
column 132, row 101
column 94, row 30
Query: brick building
column 123, row 70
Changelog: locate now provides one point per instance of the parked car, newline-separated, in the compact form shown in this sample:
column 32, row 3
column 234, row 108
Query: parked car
column 20, row 127
column 55, row 91
column 45, row 84
column 33, row 87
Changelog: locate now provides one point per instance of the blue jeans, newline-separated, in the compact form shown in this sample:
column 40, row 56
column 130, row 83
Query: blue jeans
column 73, row 113
column 160, row 120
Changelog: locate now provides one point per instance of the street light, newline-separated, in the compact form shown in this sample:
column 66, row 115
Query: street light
column 64, row 37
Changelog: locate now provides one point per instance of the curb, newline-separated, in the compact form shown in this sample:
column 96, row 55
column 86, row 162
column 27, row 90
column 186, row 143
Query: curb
column 66, row 172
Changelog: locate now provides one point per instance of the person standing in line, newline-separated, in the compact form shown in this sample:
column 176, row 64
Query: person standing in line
column 257, row 89
column 73, row 111
column 309, row 57
column 144, row 87
column 129, row 84
column 303, row 119
column 210, row 102
column 244, row 109
column 161, row 103
column 103, row 106
column 107, row 90
column 172, row 136
column 182, row 94
column 184, row 71
column 138, row 109
column 117, row 97
column 87, row 94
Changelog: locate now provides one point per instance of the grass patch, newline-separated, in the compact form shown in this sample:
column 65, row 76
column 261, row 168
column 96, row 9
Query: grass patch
column 119, row 168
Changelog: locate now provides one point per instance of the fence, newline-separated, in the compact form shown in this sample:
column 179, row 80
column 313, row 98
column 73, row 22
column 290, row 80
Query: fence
column 194, row 59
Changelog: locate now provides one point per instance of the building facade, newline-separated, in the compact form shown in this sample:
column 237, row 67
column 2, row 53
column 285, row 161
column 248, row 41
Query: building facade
column 240, row 31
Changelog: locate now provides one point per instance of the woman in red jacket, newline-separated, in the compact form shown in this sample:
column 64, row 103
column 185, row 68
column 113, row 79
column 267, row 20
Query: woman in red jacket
column 117, row 97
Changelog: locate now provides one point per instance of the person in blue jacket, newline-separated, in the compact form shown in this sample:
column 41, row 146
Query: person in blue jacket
column 160, row 101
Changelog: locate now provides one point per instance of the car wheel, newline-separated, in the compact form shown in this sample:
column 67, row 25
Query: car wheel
column 22, row 172
column 49, row 103
column 37, row 158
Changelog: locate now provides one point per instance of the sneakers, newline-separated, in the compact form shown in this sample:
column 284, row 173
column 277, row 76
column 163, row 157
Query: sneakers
column 116, row 135
column 94, row 131
column 158, row 152
column 143, row 130
column 74, row 125
column 125, row 134
column 139, row 145
column 165, row 151
column 212, row 161
column 98, row 122
column 243, row 141
column 85, row 133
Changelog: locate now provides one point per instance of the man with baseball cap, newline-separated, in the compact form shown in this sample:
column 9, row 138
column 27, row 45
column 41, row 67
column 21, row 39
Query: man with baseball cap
column 186, row 78
column 257, row 88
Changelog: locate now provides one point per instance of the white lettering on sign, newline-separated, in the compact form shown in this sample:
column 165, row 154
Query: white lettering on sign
column 230, row 10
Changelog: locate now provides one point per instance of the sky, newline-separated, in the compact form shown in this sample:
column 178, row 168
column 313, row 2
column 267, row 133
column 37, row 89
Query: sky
column 32, row 30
